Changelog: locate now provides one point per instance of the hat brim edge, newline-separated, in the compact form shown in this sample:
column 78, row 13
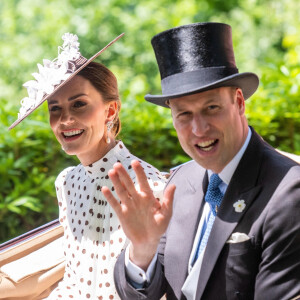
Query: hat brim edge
column 66, row 81
column 247, row 81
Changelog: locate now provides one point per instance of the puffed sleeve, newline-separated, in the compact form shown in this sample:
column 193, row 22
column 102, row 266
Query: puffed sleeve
column 60, row 182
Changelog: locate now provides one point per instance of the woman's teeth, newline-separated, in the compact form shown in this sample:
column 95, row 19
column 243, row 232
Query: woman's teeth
column 72, row 133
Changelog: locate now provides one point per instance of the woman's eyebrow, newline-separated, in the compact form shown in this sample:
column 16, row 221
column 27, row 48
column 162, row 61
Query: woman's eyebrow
column 76, row 96
column 53, row 101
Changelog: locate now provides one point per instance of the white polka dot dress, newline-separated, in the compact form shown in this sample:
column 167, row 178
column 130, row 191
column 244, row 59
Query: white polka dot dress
column 93, row 237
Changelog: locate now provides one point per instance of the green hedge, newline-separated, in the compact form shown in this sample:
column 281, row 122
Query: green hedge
column 266, row 41
column 30, row 158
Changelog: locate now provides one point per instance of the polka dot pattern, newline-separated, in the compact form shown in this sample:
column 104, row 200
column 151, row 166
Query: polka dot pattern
column 93, row 237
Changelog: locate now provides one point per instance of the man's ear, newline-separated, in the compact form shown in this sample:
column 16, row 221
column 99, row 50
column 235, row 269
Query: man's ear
column 240, row 100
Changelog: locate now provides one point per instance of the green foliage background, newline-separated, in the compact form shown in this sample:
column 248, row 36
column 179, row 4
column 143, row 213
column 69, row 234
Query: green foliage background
column 266, row 41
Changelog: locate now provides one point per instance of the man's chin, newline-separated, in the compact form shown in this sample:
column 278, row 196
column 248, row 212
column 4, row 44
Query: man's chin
column 209, row 163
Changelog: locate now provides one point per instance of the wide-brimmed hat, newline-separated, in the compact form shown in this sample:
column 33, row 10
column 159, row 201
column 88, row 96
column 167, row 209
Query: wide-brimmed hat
column 195, row 58
column 54, row 74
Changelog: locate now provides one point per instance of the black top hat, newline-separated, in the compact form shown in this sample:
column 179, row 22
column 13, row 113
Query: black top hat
column 195, row 58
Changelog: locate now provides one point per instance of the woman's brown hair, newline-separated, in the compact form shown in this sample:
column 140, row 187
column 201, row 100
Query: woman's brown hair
column 106, row 84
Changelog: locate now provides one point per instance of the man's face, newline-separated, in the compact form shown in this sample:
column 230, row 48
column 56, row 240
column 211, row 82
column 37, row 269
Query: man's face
column 211, row 126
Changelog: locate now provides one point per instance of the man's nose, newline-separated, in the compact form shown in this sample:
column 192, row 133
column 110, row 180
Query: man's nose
column 199, row 125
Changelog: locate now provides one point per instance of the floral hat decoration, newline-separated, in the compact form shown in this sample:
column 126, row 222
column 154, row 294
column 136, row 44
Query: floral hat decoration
column 54, row 74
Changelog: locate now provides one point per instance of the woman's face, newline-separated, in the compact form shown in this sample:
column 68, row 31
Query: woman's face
column 78, row 116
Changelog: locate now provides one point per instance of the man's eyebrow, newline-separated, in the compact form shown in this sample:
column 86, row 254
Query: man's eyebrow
column 181, row 106
column 70, row 99
column 209, row 100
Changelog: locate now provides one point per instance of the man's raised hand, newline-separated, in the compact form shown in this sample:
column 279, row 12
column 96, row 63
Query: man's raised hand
column 143, row 218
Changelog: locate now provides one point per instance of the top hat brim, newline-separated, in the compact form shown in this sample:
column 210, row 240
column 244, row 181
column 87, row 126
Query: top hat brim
column 82, row 66
column 248, row 82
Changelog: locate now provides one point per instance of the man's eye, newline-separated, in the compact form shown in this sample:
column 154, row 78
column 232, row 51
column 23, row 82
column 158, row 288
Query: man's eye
column 212, row 107
column 183, row 114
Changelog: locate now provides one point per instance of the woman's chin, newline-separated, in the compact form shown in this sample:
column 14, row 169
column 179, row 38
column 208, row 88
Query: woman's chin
column 69, row 151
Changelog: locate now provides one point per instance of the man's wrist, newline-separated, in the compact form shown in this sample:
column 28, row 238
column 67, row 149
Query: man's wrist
column 142, row 255
column 135, row 275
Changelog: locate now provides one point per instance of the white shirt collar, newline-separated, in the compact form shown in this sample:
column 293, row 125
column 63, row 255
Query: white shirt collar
column 229, row 169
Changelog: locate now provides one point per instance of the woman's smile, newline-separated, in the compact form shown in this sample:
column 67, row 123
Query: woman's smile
column 72, row 134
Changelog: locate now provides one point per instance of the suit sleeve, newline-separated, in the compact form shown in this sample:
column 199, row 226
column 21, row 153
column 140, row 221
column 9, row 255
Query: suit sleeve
column 158, row 285
column 154, row 290
column 279, row 270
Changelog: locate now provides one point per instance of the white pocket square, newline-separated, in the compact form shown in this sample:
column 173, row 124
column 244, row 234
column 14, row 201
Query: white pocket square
column 238, row 237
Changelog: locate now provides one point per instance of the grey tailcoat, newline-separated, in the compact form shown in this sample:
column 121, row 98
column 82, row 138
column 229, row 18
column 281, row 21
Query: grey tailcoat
column 267, row 266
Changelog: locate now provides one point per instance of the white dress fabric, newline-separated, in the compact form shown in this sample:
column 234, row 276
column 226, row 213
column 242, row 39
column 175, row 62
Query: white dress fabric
column 93, row 237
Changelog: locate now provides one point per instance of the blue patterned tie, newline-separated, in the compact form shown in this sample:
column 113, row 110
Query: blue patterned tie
column 213, row 197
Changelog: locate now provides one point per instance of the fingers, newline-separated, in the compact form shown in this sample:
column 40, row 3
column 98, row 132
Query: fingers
column 126, row 190
column 122, row 182
column 167, row 205
column 111, row 199
column 126, row 181
column 141, row 176
column 120, row 188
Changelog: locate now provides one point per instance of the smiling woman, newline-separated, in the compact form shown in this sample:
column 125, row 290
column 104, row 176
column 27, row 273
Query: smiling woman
column 84, row 104
column 84, row 111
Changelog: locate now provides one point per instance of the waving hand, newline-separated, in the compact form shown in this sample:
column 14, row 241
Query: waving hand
column 143, row 218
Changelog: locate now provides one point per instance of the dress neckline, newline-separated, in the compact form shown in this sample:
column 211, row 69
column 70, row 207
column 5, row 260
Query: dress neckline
column 117, row 154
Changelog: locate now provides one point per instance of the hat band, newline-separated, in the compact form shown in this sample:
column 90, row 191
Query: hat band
column 76, row 64
column 188, row 81
column 80, row 61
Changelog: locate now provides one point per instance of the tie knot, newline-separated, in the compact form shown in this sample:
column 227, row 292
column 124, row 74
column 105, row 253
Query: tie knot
column 213, row 194
column 214, row 181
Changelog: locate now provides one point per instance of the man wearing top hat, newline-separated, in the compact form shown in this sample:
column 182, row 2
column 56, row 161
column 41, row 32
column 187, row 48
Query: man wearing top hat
column 231, row 229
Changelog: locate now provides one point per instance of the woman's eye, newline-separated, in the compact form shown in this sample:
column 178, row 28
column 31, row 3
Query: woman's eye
column 79, row 104
column 54, row 108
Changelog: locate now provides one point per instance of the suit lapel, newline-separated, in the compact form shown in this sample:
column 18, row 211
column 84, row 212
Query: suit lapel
column 182, row 229
column 243, row 186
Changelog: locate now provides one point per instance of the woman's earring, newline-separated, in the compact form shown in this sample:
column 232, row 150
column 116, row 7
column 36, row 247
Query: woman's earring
column 109, row 126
